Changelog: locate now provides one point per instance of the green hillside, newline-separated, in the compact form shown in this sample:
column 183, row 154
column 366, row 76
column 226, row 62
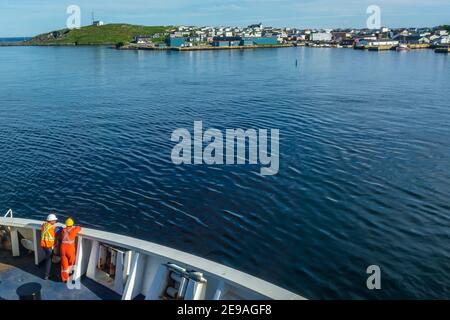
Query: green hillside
column 98, row 35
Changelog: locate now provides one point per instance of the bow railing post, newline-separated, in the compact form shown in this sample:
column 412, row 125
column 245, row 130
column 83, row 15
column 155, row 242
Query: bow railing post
column 9, row 213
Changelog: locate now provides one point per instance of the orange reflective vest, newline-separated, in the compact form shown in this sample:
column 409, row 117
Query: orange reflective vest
column 69, row 234
column 48, row 235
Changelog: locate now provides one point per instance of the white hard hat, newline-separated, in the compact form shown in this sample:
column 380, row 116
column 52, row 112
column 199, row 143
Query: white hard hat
column 52, row 217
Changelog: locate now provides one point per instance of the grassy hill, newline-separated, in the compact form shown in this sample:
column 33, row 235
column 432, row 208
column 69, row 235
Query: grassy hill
column 100, row 35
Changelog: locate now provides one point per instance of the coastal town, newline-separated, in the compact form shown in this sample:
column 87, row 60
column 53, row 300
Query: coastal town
column 257, row 35
column 190, row 38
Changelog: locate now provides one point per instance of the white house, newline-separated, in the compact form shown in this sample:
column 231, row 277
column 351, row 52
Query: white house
column 143, row 39
column 445, row 40
column 385, row 43
column 376, row 43
column 415, row 38
column 442, row 33
column 321, row 36
column 434, row 37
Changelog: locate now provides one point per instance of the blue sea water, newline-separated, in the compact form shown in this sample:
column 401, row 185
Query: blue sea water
column 364, row 173
column 16, row 39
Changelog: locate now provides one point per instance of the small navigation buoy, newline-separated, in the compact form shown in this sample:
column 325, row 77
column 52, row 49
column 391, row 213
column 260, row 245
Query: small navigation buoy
column 296, row 62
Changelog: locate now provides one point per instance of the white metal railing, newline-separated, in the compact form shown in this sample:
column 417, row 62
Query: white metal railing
column 9, row 213
column 231, row 277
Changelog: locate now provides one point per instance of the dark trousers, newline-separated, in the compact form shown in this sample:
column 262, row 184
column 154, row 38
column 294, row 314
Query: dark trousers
column 48, row 261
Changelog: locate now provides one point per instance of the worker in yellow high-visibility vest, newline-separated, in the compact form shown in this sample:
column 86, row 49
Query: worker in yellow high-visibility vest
column 49, row 232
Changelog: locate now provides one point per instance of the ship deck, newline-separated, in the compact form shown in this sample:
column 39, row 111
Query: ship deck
column 140, row 273
column 17, row 271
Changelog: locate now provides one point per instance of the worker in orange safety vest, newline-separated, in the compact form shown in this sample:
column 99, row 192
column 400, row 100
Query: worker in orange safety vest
column 68, row 250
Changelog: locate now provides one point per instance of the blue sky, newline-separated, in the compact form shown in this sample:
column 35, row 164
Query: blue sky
column 30, row 17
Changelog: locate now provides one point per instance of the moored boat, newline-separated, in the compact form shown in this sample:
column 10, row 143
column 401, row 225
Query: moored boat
column 402, row 47
column 442, row 49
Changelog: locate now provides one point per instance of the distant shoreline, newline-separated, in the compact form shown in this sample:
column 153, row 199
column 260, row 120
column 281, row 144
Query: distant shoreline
column 204, row 48
column 25, row 44
column 134, row 47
